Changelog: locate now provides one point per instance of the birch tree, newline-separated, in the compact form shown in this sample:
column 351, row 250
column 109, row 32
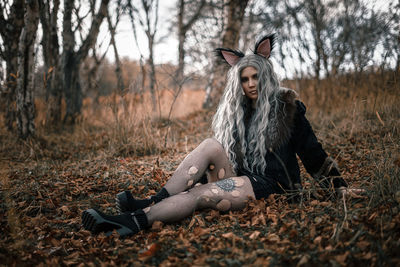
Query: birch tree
column 51, row 56
column 112, row 29
column 185, row 22
column 25, row 106
column 12, row 22
column 234, row 13
column 145, row 14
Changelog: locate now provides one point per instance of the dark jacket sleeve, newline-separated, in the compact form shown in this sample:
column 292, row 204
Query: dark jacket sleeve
column 311, row 153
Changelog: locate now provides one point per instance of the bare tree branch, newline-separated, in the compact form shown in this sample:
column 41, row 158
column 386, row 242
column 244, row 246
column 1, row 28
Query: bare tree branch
column 112, row 29
column 93, row 32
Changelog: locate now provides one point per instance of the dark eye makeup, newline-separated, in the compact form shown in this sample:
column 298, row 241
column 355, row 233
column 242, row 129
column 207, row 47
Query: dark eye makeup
column 246, row 79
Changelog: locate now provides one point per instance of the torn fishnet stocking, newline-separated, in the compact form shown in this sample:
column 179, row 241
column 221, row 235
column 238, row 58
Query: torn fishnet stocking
column 210, row 158
column 226, row 194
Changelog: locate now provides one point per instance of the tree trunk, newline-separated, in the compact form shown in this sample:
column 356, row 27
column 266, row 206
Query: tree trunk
column 10, row 88
column 68, row 59
column 207, row 103
column 50, row 44
column 235, row 10
column 150, row 31
column 72, row 61
column 398, row 54
column 152, row 73
column 182, row 31
column 315, row 16
column 72, row 89
column 181, row 41
column 10, row 32
column 118, row 69
column 25, row 104
column 235, row 14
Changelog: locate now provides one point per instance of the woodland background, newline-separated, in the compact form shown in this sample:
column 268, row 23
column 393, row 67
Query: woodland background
column 78, row 127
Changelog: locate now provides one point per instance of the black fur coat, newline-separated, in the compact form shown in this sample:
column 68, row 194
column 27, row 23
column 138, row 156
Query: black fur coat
column 290, row 134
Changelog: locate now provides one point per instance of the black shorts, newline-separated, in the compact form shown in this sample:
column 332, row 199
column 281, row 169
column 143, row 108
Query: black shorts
column 262, row 186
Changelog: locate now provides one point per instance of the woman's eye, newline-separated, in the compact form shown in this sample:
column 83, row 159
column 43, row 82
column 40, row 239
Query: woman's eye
column 243, row 80
column 255, row 76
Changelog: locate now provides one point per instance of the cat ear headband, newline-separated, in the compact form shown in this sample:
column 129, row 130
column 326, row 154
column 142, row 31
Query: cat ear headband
column 262, row 48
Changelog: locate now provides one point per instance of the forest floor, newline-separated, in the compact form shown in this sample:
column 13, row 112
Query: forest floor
column 47, row 182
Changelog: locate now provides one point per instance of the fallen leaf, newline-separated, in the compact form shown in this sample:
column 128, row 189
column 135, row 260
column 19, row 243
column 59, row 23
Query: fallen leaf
column 254, row 235
column 303, row 260
column 228, row 235
column 341, row 259
column 65, row 209
column 368, row 256
column 199, row 231
column 317, row 240
column 318, row 220
column 153, row 249
column 363, row 245
column 157, row 225
column 397, row 161
column 373, row 216
column 273, row 238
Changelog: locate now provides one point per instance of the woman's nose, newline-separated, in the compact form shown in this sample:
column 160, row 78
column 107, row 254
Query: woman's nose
column 252, row 82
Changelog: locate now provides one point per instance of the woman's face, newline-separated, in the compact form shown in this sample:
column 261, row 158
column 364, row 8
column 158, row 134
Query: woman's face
column 249, row 79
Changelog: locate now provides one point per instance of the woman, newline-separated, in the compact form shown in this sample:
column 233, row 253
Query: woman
column 259, row 129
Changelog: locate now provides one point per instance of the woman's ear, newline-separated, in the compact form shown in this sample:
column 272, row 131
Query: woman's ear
column 230, row 56
column 264, row 46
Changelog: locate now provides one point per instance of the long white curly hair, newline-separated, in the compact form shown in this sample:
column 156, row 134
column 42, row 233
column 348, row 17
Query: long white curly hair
column 228, row 123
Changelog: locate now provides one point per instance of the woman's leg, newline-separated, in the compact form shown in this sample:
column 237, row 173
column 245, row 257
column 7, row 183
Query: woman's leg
column 208, row 157
column 226, row 194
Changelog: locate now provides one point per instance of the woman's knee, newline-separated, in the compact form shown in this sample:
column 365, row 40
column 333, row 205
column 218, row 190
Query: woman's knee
column 219, row 202
column 212, row 145
column 224, row 195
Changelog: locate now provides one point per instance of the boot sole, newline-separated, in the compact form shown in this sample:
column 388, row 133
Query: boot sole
column 121, row 202
column 93, row 221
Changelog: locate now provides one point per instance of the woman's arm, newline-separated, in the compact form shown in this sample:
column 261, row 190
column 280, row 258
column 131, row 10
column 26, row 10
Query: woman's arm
column 316, row 161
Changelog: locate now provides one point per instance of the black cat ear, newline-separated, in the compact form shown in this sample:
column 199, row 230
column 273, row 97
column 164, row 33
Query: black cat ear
column 264, row 46
column 230, row 56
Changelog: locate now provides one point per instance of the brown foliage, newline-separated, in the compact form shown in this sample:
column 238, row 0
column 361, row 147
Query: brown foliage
column 46, row 183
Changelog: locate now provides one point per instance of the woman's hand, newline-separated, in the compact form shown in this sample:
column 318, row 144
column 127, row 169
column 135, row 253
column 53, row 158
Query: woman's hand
column 352, row 192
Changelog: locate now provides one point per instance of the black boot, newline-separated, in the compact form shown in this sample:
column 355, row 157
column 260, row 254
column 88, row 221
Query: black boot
column 125, row 224
column 126, row 202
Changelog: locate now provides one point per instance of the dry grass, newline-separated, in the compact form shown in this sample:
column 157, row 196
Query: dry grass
column 357, row 119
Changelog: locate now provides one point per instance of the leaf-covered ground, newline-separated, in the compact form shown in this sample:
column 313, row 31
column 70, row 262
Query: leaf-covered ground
column 46, row 183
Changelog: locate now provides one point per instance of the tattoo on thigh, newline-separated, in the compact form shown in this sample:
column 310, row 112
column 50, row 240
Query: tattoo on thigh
column 227, row 185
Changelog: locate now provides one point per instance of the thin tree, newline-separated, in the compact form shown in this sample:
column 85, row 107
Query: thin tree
column 51, row 55
column 112, row 29
column 71, row 60
column 147, row 18
column 12, row 22
column 328, row 36
column 63, row 68
column 234, row 14
column 90, row 69
column 143, row 71
column 185, row 23
column 25, row 104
